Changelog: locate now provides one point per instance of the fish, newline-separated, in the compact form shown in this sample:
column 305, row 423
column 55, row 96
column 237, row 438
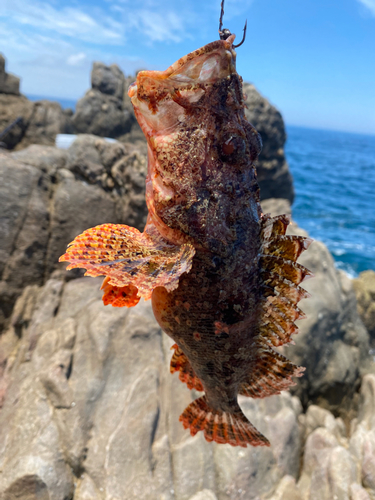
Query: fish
column 222, row 276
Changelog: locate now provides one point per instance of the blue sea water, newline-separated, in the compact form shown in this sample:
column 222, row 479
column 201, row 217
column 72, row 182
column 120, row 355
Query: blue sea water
column 65, row 103
column 334, row 180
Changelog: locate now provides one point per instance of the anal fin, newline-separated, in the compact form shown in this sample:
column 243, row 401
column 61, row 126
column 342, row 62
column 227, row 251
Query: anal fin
column 180, row 363
column 221, row 426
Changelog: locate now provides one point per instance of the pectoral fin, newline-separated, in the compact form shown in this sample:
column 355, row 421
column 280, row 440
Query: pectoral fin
column 129, row 258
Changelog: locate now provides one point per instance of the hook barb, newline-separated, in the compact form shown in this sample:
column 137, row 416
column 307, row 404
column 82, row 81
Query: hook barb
column 243, row 38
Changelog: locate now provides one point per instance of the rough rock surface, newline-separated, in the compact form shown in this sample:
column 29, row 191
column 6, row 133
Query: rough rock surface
column 102, row 411
column 364, row 287
column 9, row 84
column 274, row 177
column 102, row 110
column 48, row 196
column 332, row 342
column 39, row 124
column 336, row 464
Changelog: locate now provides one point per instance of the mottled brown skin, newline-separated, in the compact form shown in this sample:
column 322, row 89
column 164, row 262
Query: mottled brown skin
column 213, row 314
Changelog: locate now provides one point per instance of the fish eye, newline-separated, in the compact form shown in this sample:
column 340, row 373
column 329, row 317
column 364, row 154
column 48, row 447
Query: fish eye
column 232, row 148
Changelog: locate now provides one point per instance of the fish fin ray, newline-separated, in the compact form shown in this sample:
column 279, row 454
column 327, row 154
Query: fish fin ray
column 128, row 257
column 180, row 363
column 220, row 426
column 271, row 373
column 119, row 296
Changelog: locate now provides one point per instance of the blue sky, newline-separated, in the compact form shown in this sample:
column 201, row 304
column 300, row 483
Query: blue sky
column 313, row 59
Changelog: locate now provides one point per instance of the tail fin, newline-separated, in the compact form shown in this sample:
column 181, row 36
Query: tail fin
column 220, row 426
column 180, row 363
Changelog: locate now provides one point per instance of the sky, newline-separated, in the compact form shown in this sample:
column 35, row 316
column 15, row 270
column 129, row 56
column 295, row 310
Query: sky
column 313, row 59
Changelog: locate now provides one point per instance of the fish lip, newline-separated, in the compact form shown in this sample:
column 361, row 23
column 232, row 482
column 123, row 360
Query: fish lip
column 173, row 73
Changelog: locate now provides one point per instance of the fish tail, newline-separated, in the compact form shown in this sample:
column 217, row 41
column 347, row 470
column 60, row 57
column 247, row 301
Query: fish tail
column 220, row 426
column 180, row 363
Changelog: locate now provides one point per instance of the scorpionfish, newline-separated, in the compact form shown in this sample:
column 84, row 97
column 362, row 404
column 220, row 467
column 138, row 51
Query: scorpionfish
column 222, row 277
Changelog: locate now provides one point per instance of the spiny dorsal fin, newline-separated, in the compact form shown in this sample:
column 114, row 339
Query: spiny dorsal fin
column 272, row 226
column 286, row 246
column 274, row 284
column 275, row 333
column 285, row 268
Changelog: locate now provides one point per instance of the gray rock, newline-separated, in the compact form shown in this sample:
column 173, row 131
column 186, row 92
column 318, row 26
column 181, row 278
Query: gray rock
column 204, row 495
column 337, row 466
column 274, row 177
column 102, row 110
column 102, row 409
column 332, row 342
column 48, row 196
column 40, row 121
column 364, row 287
column 9, row 84
column 108, row 79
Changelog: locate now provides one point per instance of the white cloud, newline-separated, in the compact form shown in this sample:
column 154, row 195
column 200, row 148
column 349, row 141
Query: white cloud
column 370, row 4
column 157, row 27
column 76, row 59
column 68, row 21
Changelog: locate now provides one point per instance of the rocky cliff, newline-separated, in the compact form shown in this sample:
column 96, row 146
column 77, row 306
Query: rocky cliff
column 89, row 408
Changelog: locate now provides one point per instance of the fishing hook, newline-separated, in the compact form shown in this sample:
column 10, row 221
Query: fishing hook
column 225, row 33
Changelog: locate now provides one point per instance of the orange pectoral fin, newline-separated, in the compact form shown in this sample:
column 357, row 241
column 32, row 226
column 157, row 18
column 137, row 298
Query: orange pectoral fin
column 119, row 296
column 134, row 263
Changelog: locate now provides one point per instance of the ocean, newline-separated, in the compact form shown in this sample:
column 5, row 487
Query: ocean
column 334, row 180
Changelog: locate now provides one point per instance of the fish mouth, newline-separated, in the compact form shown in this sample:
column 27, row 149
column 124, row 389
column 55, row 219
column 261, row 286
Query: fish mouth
column 183, row 82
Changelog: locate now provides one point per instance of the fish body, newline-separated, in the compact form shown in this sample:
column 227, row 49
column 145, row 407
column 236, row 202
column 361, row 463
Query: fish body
column 222, row 276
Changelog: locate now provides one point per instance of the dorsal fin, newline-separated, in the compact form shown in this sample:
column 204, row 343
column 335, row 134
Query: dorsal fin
column 269, row 374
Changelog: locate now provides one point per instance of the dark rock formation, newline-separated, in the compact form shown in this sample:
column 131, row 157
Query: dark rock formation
column 102, row 111
column 274, row 177
column 364, row 287
column 48, row 196
column 39, row 122
column 9, row 84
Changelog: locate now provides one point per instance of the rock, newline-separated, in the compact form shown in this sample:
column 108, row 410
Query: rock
column 102, row 111
column 46, row 121
column 287, row 490
column 48, row 196
column 9, row 84
column 108, row 79
column 93, row 383
column 332, row 342
column 276, row 206
column 204, row 495
column 338, row 466
column 274, row 177
column 11, row 108
column 40, row 121
column 364, row 287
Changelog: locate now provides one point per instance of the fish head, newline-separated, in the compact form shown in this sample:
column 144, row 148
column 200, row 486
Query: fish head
column 198, row 138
